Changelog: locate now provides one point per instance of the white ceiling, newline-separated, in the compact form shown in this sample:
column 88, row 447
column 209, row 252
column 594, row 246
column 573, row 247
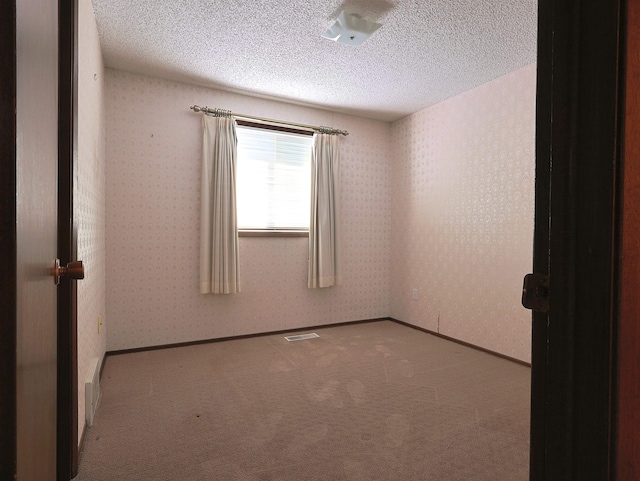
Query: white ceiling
column 425, row 52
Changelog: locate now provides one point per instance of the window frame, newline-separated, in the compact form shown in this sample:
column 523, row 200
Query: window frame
column 273, row 232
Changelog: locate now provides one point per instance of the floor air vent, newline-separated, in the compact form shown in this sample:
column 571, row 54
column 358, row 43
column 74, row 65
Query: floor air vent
column 301, row 337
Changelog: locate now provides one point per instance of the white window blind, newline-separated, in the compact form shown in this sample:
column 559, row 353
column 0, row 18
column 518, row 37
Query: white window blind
column 273, row 179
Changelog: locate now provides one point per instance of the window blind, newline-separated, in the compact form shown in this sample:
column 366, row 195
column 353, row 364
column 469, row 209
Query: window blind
column 273, row 179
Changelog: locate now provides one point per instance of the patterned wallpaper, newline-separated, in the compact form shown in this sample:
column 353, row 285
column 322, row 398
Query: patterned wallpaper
column 89, row 208
column 462, row 214
column 441, row 201
column 152, row 223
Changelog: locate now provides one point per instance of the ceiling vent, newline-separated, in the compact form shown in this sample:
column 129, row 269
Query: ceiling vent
column 351, row 29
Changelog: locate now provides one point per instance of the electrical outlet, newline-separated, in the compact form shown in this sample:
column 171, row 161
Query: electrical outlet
column 415, row 294
column 99, row 324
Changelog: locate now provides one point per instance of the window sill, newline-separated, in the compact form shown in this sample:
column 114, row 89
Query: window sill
column 273, row 233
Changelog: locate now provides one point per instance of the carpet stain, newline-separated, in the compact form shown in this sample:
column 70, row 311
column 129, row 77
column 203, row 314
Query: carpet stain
column 356, row 390
column 325, row 392
column 397, row 430
column 383, row 349
column 281, row 366
column 356, row 470
column 325, row 361
column 306, row 439
column 266, row 430
column 405, row 368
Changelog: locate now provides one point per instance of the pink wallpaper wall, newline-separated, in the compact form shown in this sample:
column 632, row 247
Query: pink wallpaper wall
column 462, row 214
column 152, row 223
column 89, row 208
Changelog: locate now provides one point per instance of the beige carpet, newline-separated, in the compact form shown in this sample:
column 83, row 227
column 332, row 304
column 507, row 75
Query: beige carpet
column 373, row 401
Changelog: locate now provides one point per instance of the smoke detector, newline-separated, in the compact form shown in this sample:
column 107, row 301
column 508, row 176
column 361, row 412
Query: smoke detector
column 351, row 29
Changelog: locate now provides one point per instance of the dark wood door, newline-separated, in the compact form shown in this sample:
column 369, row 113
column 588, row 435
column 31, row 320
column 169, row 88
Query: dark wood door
column 577, row 174
column 29, row 149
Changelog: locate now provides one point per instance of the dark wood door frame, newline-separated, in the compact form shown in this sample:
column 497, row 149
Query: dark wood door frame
column 577, row 166
column 628, row 407
column 8, row 248
column 67, row 447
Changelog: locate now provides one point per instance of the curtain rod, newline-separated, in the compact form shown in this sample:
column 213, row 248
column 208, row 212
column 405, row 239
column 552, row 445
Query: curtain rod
column 228, row 113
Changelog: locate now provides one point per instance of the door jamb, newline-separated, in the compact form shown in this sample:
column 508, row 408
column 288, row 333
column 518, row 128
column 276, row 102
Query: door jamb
column 577, row 145
column 67, row 447
column 627, row 460
column 8, row 243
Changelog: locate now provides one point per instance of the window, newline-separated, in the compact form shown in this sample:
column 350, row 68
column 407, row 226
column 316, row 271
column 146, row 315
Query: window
column 273, row 184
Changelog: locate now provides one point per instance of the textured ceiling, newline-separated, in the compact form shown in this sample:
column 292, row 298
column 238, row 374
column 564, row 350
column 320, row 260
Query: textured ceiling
column 425, row 52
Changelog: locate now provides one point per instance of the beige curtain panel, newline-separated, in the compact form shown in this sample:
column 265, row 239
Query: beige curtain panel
column 218, row 223
column 324, row 226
